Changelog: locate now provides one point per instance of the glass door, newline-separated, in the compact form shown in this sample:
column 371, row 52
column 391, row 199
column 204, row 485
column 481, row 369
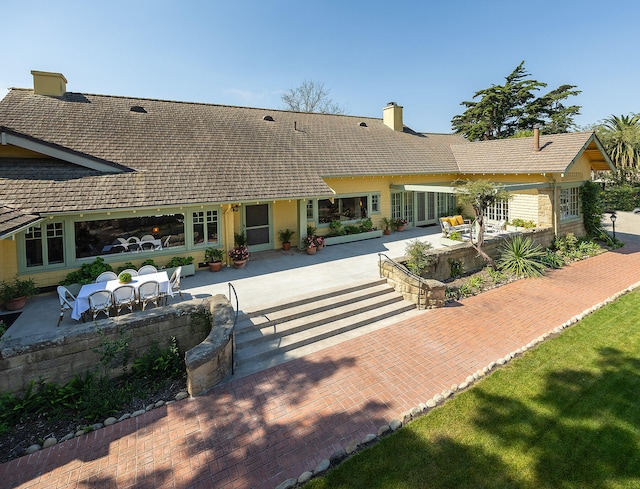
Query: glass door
column 425, row 212
column 258, row 226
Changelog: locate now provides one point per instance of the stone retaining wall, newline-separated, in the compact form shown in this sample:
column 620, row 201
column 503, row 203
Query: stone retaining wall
column 58, row 356
column 431, row 286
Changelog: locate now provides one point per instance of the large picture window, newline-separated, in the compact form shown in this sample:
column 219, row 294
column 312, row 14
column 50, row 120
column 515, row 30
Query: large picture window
column 343, row 209
column 131, row 234
column 498, row 211
column 569, row 203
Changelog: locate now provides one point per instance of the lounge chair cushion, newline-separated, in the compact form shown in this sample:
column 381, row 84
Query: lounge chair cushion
column 458, row 220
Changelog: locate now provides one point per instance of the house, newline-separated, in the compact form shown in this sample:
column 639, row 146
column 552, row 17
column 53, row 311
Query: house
column 85, row 175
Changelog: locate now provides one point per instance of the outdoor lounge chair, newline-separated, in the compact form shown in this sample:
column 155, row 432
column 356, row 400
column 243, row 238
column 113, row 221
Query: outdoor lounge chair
column 455, row 224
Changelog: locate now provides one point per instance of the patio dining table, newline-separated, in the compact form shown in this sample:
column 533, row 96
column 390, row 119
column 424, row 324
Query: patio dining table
column 81, row 304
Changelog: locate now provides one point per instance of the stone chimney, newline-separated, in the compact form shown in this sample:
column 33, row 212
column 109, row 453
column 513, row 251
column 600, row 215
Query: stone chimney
column 392, row 116
column 536, row 138
column 52, row 84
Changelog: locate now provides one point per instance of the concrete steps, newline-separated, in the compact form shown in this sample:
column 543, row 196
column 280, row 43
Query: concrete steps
column 297, row 327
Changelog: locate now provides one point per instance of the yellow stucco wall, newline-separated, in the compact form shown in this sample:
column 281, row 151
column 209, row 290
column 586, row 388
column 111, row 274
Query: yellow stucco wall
column 8, row 262
column 285, row 216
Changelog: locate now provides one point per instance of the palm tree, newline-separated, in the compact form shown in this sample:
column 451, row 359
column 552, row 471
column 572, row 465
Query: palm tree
column 621, row 138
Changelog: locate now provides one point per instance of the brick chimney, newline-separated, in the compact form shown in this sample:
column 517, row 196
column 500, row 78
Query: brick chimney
column 392, row 116
column 536, row 138
column 52, row 84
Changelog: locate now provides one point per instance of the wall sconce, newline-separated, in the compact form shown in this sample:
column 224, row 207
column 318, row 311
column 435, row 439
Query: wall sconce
column 156, row 230
column 235, row 208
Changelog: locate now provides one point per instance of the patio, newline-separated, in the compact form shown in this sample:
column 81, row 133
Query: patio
column 269, row 277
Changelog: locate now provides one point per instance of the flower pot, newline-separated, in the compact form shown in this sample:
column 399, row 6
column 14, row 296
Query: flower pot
column 312, row 250
column 286, row 246
column 400, row 228
column 239, row 263
column 215, row 266
column 386, row 232
column 15, row 303
column 320, row 246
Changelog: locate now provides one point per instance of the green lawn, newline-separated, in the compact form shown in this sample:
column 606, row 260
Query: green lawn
column 564, row 415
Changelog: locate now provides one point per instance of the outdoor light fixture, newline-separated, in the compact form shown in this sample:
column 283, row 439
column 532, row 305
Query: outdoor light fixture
column 613, row 218
column 156, row 230
column 235, row 208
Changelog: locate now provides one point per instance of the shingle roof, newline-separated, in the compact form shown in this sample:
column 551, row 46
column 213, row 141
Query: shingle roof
column 179, row 153
column 557, row 152
column 12, row 221
column 192, row 153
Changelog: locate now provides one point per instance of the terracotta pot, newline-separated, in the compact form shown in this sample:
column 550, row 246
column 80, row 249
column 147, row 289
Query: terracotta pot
column 15, row 303
column 286, row 246
column 400, row 228
column 312, row 250
column 215, row 266
column 320, row 246
column 239, row 263
column 386, row 232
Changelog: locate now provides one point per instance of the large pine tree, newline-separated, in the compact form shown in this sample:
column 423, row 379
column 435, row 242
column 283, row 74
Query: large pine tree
column 503, row 110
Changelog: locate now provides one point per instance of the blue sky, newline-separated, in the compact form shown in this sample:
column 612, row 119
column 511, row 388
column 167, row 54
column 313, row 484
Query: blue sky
column 427, row 56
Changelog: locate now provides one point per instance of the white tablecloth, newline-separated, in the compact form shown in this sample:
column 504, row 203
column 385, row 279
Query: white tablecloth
column 82, row 300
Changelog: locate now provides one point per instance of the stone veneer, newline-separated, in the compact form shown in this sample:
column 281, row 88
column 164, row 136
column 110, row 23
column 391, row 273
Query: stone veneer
column 202, row 328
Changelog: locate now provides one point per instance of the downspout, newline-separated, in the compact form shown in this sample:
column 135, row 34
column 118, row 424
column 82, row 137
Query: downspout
column 555, row 208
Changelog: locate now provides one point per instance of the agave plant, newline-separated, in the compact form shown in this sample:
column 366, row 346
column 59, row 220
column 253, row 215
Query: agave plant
column 522, row 258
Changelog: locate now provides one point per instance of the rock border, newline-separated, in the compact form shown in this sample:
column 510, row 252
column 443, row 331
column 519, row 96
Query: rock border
column 83, row 430
column 421, row 409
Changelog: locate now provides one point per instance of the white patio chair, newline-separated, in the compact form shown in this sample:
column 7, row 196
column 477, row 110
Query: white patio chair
column 106, row 276
column 147, row 269
column 100, row 301
column 148, row 292
column 131, row 271
column 67, row 300
column 166, row 242
column 122, row 241
column 147, row 246
column 147, row 237
column 133, row 239
column 174, row 281
column 124, row 296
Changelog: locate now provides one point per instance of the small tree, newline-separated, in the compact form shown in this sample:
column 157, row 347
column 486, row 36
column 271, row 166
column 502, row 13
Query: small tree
column 480, row 194
column 311, row 96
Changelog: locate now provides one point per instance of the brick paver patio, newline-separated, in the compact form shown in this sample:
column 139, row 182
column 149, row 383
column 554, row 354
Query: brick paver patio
column 265, row 428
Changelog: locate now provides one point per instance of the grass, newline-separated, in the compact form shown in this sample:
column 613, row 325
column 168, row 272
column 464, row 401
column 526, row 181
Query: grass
column 565, row 415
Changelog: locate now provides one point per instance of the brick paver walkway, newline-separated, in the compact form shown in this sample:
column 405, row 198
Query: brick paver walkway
column 263, row 429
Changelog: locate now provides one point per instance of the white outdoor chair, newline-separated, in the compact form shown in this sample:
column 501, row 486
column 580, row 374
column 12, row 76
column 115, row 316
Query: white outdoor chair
column 147, row 269
column 67, row 300
column 147, row 246
column 148, row 292
column 147, row 237
column 106, row 276
column 166, row 242
column 100, row 301
column 174, row 281
column 124, row 296
column 131, row 271
column 133, row 239
column 122, row 241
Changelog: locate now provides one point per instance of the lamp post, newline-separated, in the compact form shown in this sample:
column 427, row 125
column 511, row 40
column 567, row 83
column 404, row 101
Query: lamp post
column 613, row 218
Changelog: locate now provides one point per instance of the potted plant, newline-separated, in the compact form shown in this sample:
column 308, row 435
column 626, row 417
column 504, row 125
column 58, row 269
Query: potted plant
column 285, row 236
column 15, row 294
column 318, row 241
column 214, row 256
column 399, row 223
column 309, row 242
column 240, row 240
column 387, row 224
column 239, row 256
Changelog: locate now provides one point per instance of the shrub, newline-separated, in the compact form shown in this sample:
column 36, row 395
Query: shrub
column 495, row 274
column 523, row 224
column 88, row 272
column 335, row 229
column 366, row 225
column 521, row 257
column 179, row 261
column 455, row 265
column 419, row 258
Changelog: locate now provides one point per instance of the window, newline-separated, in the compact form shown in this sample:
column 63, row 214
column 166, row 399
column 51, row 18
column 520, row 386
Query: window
column 205, row 225
column 445, row 204
column 310, row 210
column 498, row 211
column 343, row 209
column 375, row 203
column 48, row 251
column 145, row 233
column 396, row 205
column 569, row 203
